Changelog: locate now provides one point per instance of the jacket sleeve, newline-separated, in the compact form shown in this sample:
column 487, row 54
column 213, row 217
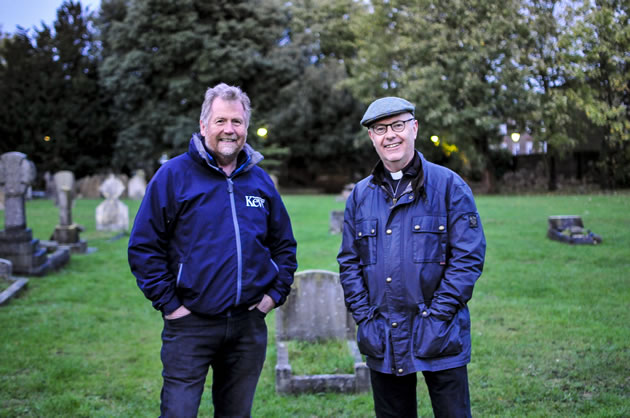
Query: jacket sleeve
column 148, row 245
column 466, row 255
column 350, row 272
column 283, row 248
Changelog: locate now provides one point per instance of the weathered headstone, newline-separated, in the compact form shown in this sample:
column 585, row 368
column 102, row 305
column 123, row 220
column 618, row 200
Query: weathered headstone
column 570, row 229
column 316, row 311
column 137, row 186
column 67, row 232
column 17, row 284
column 112, row 214
column 16, row 240
column 51, row 191
column 336, row 222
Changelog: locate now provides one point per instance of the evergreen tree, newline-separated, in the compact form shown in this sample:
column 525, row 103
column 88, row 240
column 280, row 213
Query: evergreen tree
column 51, row 106
column 160, row 57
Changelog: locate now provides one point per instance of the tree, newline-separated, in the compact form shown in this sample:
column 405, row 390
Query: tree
column 457, row 61
column 598, row 65
column 316, row 118
column 160, row 57
column 51, row 107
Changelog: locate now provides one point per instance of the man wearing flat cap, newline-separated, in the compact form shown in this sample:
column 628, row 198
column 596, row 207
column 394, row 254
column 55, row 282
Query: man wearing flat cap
column 412, row 249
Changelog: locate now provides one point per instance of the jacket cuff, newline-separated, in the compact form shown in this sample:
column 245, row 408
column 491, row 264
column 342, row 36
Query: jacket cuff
column 171, row 306
column 276, row 296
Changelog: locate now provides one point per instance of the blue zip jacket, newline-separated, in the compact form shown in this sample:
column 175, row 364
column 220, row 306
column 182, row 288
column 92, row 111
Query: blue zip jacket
column 210, row 242
column 408, row 268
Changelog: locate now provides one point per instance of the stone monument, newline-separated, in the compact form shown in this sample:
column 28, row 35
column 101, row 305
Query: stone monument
column 137, row 186
column 112, row 214
column 17, row 284
column 67, row 232
column 315, row 311
column 16, row 240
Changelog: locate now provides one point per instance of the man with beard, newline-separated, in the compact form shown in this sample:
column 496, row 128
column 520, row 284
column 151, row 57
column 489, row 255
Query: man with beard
column 213, row 249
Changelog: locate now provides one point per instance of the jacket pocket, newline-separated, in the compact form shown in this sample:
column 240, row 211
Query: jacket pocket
column 436, row 337
column 371, row 338
column 365, row 239
column 429, row 237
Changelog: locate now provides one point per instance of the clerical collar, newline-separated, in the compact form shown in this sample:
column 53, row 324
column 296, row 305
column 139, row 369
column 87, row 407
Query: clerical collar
column 396, row 175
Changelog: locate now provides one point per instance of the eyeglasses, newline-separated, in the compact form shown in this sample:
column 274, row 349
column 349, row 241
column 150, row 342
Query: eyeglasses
column 397, row 126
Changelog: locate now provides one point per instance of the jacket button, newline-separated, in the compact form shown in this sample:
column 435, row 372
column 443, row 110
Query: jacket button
column 400, row 371
column 410, row 197
column 388, row 232
column 360, row 234
column 388, row 280
column 425, row 313
column 417, row 227
column 373, row 231
column 441, row 227
column 394, row 324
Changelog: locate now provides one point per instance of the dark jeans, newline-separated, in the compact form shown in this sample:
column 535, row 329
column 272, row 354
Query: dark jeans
column 234, row 346
column 395, row 396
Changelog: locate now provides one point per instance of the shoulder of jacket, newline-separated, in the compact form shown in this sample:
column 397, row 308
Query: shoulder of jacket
column 361, row 189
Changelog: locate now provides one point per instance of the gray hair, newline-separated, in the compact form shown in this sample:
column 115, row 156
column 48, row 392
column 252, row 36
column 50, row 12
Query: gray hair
column 225, row 92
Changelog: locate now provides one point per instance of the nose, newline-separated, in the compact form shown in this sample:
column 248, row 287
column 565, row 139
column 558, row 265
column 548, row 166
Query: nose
column 228, row 128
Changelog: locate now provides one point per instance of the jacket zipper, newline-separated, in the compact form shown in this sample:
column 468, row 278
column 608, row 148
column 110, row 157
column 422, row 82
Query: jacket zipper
column 239, row 257
column 179, row 274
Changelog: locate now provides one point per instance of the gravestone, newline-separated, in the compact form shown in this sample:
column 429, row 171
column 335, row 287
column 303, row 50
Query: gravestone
column 315, row 311
column 17, row 284
column 570, row 229
column 1, row 200
column 112, row 214
column 16, row 240
column 51, row 192
column 67, row 232
column 336, row 222
column 137, row 186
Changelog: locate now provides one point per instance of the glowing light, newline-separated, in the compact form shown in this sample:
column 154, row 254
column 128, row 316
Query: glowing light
column 436, row 140
column 46, row 138
column 515, row 136
column 449, row 149
column 262, row 132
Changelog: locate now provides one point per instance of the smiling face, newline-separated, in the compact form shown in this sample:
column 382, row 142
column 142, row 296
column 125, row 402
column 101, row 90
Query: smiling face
column 396, row 149
column 225, row 132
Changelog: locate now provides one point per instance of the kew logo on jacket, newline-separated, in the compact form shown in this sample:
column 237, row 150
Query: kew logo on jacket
column 254, row 202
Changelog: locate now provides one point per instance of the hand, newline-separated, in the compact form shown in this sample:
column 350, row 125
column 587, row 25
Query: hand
column 265, row 305
column 180, row 312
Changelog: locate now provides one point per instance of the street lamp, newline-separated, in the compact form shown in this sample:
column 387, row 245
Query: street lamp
column 435, row 139
column 515, row 136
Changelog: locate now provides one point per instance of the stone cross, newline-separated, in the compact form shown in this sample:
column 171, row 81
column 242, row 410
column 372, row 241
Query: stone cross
column 16, row 175
column 64, row 186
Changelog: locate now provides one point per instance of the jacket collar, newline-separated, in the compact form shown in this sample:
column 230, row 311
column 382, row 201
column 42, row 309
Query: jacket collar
column 415, row 169
column 198, row 152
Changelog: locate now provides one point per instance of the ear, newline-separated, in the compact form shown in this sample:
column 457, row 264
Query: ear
column 202, row 128
column 371, row 134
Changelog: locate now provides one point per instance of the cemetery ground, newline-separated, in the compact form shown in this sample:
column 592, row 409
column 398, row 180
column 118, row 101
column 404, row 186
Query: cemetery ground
column 550, row 321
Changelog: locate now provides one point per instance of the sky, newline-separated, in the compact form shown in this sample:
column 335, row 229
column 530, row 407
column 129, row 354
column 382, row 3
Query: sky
column 30, row 13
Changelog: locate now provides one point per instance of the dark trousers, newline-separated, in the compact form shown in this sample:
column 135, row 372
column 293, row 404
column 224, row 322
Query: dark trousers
column 234, row 346
column 395, row 396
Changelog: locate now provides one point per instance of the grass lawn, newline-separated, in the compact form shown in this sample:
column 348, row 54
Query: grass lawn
column 551, row 322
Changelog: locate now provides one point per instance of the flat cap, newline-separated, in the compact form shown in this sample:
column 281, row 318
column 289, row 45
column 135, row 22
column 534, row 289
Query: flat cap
column 385, row 107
